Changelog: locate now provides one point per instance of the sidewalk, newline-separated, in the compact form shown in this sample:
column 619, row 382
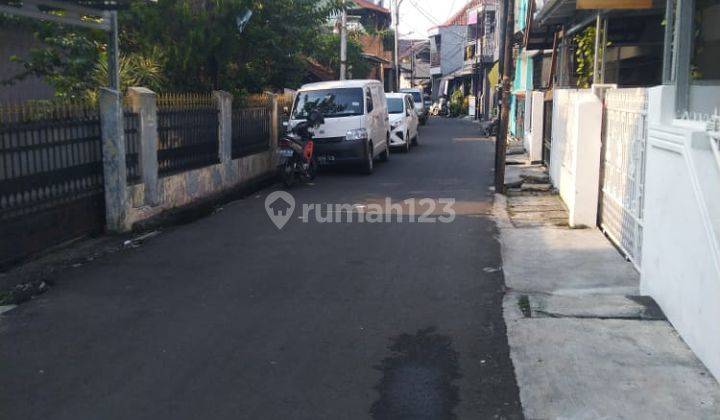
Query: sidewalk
column 583, row 343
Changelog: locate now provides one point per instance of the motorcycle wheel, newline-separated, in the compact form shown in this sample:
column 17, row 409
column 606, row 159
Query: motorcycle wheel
column 312, row 170
column 287, row 174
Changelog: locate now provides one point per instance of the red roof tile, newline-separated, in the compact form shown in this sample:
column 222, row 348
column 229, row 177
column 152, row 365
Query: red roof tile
column 365, row 4
column 460, row 18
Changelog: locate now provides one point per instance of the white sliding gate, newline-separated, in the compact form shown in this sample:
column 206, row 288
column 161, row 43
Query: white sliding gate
column 622, row 174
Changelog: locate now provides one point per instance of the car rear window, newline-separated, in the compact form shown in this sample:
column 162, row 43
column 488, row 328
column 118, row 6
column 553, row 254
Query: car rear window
column 417, row 97
column 395, row 105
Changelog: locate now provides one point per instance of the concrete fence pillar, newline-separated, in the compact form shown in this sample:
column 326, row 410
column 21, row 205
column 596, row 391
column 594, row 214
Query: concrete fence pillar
column 114, row 166
column 144, row 102
column 536, row 117
column 661, row 104
column 527, row 120
column 586, row 162
column 224, row 104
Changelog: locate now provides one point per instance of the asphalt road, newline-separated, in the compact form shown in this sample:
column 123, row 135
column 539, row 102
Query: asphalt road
column 229, row 317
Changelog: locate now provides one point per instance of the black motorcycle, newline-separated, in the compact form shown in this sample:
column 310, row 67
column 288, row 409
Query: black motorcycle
column 297, row 151
column 489, row 128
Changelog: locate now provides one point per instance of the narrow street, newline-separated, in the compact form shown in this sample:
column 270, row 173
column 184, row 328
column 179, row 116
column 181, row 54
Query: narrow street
column 229, row 317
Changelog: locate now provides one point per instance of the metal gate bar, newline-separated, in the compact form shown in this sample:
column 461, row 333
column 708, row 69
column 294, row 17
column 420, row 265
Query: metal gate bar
column 547, row 131
column 623, row 170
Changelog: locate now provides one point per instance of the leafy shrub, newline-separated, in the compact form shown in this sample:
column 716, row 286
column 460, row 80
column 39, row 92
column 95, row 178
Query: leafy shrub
column 458, row 103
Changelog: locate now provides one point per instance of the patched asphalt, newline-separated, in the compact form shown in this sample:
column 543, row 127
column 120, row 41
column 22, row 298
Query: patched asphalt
column 229, row 317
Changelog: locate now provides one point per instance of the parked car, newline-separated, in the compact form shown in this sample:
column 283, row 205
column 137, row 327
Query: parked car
column 428, row 102
column 404, row 121
column 356, row 128
column 420, row 108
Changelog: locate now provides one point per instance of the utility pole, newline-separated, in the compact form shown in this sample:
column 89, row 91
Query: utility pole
column 396, row 58
column 596, row 51
column 343, row 42
column 412, row 65
column 113, row 52
column 478, row 61
column 501, row 140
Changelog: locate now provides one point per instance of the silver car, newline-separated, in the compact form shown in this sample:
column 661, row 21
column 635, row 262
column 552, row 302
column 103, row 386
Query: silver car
column 420, row 108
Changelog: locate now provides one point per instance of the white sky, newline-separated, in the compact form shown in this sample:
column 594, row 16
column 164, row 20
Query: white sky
column 413, row 24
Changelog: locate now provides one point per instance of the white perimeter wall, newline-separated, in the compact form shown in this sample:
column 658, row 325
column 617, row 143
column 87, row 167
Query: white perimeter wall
column 681, row 246
column 575, row 152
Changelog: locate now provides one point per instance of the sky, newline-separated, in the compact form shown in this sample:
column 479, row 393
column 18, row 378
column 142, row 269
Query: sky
column 415, row 24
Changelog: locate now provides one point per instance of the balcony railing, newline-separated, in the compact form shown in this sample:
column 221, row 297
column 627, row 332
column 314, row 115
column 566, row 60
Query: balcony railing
column 435, row 59
column 488, row 48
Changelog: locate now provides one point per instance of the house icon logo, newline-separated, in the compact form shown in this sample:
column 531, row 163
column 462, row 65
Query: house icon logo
column 280, row 206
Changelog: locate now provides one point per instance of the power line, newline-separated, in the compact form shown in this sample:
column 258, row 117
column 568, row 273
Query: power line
column 431, row 19
column 452, row 7
column 423, row 12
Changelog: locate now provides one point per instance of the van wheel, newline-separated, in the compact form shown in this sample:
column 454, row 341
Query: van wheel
column 368, row 164
column 385, row 155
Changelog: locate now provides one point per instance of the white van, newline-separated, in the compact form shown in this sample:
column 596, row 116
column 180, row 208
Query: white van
column 356, row 128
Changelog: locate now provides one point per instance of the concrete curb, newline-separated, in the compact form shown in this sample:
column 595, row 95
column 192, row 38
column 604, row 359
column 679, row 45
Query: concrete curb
column 582, row 344
column 205, row 206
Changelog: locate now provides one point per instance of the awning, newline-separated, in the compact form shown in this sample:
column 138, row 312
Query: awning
column 375, row 59
column 459, row 73
column 565, row 12
column 556, row 12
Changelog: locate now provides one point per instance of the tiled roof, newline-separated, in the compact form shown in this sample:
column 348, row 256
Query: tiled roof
column 407, row 45
column 365, row 4
column 460, row 18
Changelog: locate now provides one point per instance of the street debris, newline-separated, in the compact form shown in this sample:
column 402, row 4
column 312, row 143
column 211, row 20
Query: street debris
column 137, row 241
column 23, row 292
column 6, row 308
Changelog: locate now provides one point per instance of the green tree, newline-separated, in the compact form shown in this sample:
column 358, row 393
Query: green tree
column 205, row 50
column 327, row 53
column 584, row 44
column 191, row 45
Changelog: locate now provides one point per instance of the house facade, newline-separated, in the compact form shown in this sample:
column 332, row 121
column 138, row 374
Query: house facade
column 464, row 53
column 414, row 64
column 371, row 20
column 482, row 53
column 631, row 135
column 447, row 43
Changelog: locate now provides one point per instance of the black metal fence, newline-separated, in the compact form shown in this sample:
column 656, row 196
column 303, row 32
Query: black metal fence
column 187, row 132
column 51, row 176
column 251, row 125
column 51, row 161
column 132, row 146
